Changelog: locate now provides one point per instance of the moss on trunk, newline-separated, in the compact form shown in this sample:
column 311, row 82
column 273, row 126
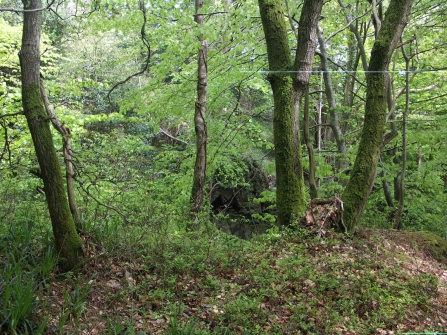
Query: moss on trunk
column 363, row 173
column 68, row 243
column 290, row 199
column 289, row 195
column 289, row 81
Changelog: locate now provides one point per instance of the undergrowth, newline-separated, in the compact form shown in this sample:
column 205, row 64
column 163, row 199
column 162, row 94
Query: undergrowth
column 208, row 282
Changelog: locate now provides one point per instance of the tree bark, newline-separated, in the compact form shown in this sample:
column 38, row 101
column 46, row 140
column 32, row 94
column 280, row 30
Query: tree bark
column 363, row 173
column 329, row 90
column 386, row 188
column 313, row 191
column 400, row 208
column 304, row 58
column 287, row 92
column 68, row 243
column 199, row 182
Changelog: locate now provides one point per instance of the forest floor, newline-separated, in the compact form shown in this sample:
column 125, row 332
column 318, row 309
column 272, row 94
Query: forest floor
column 377, row 282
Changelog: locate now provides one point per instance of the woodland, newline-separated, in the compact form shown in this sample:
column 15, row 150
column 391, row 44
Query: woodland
column 223, row 167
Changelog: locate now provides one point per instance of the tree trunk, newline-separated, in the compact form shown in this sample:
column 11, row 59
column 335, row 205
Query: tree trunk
column 363, row 173
column 198, row 188
column 400, row 208
column 304, row 58
column 386, row 188
column 329, row 90
column 68, row 243
column 313, row 191
column 358, row 37
column 287, row 92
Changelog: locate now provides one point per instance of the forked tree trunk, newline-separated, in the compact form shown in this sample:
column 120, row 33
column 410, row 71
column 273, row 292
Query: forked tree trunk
column 68, row 243
column 363, row 173
column 199, row 182
column 287, row 92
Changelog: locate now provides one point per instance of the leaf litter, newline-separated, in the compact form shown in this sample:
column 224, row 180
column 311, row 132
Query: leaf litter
column 303, row 283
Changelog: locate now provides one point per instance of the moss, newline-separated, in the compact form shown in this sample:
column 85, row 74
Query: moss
column 423, row 241
column 275, row 30
column 68, row 243
column 290, row 198
column 290, row 187
column 433, row 244
column 363, row 172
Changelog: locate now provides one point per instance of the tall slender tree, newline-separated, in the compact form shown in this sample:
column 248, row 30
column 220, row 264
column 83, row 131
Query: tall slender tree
column 68, row 242
column 198, row 188
column 400, row 208
column 330, row 96
column 363, row 173
column 289, row 81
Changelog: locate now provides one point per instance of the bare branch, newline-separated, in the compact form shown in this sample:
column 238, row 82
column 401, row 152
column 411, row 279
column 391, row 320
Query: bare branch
column 148, row 57
column 378, row 24
column 172, row 137
column 14, row 10
column 348, row 25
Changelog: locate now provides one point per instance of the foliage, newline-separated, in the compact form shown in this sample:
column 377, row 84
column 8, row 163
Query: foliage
column 134, row 154
column 27, row 264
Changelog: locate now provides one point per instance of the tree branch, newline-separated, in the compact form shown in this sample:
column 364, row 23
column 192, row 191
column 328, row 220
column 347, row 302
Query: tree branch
column 11, row 114
column 148, row 58
column 14, row 10
column 172, row 137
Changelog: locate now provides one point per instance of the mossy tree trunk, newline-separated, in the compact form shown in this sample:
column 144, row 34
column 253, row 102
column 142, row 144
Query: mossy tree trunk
column 363, row 173
column 289, row 81
column 68, row 242
column 198, row 188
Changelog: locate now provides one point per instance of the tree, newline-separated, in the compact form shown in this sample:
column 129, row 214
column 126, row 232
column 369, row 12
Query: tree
column 330, row 96
column 198, row 188
column 68, row 243
column 398, row 217
column 288, row 90
column 363, row 173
